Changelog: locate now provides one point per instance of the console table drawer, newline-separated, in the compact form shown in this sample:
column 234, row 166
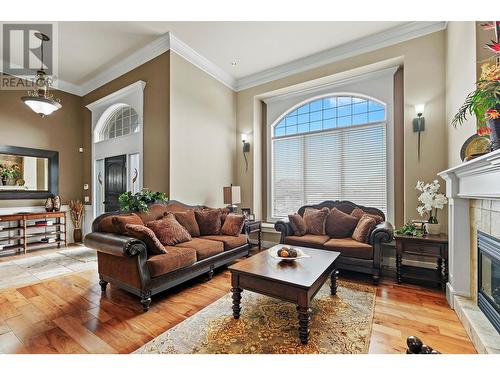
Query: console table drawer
column 422, row 249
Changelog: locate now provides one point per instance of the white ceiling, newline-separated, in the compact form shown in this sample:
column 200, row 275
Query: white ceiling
column 89, row 48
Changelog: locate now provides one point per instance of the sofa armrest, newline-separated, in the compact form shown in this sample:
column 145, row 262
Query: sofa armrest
column 284, row 227
column 383, row 232
column 115, row 244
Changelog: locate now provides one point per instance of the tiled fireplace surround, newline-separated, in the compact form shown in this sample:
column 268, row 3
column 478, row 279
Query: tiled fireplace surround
column 473, row 189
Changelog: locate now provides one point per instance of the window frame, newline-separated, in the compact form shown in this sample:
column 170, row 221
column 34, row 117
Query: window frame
column 389, row 127
column 103, row 134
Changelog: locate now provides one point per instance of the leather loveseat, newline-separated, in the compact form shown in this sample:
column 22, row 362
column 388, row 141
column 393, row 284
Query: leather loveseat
column 125, row 261
column 355, row 256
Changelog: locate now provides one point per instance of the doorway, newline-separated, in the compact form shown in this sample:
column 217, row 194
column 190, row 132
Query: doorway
column 115, row 181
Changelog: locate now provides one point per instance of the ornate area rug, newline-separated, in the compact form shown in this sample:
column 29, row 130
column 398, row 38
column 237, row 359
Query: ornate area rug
column 339, row 324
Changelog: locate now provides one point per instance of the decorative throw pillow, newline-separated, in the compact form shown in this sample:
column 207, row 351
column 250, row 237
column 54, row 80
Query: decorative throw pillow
column 298, row 225
column 169, row 231
column 364, row 227
column 315, row 220
column 209, row 220
column 147, row 236
column 233, row 225
column 225, row 211
column 188, row 221
column 358, row 213
column 339, row 224
column 106, row 225
column 120, row 221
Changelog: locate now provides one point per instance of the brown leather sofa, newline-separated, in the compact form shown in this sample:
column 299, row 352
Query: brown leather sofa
column 355, row 256
column 124, row 261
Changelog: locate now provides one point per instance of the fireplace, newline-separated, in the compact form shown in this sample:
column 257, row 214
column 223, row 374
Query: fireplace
column 489, row 277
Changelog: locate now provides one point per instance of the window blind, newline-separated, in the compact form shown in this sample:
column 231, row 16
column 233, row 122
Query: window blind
column 344, row 164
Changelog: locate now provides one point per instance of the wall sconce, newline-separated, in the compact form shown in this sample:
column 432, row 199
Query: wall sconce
column 246, row 148
column 419, row 124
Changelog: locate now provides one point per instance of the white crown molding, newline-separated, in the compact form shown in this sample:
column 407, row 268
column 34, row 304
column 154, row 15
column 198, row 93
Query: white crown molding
column 137, row 58
column 383, row 39
column 136, row 86
column 195, row 58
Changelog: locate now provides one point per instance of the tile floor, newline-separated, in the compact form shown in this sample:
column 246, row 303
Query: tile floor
column 31, row 269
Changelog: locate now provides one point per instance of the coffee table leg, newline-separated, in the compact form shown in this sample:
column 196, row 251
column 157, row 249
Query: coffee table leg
column 304, row 319
column 236, row 302
column 333, row 279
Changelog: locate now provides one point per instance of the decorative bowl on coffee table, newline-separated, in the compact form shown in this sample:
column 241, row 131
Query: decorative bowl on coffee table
column 300, row 254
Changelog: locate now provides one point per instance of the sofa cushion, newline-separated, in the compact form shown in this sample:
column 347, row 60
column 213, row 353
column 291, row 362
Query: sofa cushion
column 107, row 225
column 339, row 224
column 298, row 225
column 174, row 259
column 168, row 230
column 350, row 248
column 209, row 220
column 233, row 224
column 364, row 228
column 204, row 248
column 147, row 236
column 315, row 220
column 358, row 213
column 308, row 240
column 120, row 221
column 188, row 221
column 230, row 242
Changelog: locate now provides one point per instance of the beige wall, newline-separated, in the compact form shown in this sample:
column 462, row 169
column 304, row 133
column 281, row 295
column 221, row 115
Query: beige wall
column 203, row 135
column 460, row 78
column 61, row 131
column 156, row 74
column 424, row 82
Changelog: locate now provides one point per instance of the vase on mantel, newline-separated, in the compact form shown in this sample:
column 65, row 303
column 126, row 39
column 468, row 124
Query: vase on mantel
column 494, row 127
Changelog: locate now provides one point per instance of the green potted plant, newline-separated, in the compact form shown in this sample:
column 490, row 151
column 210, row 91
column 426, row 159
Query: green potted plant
column 140, row 200
column 8, row 174
column 484, row 101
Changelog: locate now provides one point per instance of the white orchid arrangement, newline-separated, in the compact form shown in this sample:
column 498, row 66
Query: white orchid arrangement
column 431, row 200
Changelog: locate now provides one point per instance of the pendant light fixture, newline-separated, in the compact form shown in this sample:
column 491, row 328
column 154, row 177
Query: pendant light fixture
column 40, row 100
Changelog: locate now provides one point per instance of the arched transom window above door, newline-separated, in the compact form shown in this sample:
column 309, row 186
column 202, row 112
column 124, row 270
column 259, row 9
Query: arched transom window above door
column 122, row 121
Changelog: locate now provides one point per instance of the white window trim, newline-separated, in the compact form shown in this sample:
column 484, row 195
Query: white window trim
column 389, row 149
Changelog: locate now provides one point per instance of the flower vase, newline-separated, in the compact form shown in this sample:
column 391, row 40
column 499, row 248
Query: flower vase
column 494, row 126
column 433, row 228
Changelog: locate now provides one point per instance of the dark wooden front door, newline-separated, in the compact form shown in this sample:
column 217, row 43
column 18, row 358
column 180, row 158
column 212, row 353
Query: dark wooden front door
column 115, row 181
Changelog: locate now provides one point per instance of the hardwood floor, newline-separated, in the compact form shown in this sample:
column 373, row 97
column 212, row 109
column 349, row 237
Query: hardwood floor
column 68, row 314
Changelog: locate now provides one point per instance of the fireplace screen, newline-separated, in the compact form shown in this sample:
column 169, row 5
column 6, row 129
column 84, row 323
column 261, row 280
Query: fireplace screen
column 489, row 277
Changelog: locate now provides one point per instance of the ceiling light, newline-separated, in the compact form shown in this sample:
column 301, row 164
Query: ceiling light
column 40, row 100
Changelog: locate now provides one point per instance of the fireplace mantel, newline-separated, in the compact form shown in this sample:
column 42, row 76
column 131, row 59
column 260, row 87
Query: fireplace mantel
column 475, row 179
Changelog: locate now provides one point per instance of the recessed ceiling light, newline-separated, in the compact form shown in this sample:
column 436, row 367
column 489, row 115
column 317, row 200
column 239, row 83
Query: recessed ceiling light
column 234, row 63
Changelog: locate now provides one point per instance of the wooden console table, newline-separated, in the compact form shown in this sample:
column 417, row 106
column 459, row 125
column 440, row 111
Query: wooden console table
column 26, row 231
column 432, row 246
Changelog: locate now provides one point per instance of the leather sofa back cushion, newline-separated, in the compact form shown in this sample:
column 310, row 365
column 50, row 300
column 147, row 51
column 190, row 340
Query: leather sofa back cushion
column 209, row 220
column 339, row 224
column 358, row 213
column 298, row 225
column 315, row 220
column 364, row 227
column 169, row 231
column 120, row 221
column 233, row 224
column 147, row 236
column 188, row 220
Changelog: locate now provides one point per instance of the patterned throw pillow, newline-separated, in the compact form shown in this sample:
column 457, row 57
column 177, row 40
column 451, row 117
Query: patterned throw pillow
column 147, row 236
column 315, row 220
column 364, row 227
column 120, row 221
column 298, row 225
column 358, row 213
column 339, row 224
column 209, row 220
column 188, row 220
column 169, row 231
column 233, row 225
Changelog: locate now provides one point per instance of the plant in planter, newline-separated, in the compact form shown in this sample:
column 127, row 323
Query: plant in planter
column 410, row 229
column 76, row 211
column 8, row 174
column 139, row 201
column 484, row 101
column 431, row 201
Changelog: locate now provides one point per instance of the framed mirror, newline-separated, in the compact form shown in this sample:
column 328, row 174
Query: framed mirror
column 28, row 173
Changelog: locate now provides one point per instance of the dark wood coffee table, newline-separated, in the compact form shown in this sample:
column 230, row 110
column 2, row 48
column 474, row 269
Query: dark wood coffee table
column 296, row 282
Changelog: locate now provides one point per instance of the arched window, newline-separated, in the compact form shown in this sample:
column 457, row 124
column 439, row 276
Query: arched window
column 329, row 148
column 122, row 121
